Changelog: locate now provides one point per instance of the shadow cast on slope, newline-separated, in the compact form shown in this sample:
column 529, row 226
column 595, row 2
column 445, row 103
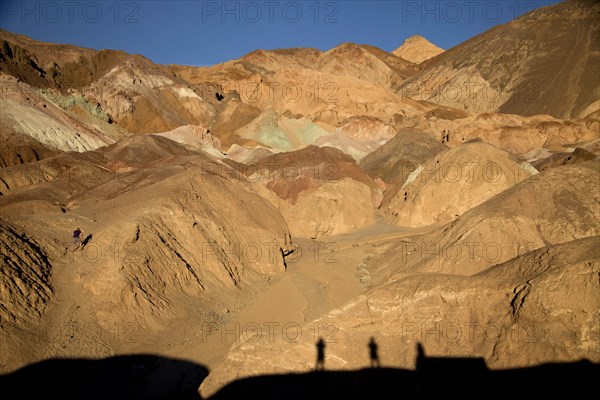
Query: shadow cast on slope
column 160, row 378
column 87, row 239
column 121, row 377
column 434, row 378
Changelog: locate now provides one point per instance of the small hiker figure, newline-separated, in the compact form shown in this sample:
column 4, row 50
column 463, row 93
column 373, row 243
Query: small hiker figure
column 76, row 239
column 373, row 353
column 320, row 355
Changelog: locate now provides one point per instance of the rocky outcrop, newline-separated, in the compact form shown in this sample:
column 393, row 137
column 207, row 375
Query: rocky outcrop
column 25, row 287
column 445, row 187
column 334, row 208
column 417, row 49
column 509, row 224
column 401, row 155
column 535, row 64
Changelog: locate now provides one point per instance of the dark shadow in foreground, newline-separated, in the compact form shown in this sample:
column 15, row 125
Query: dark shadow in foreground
column 120, row 377
column 434, row 378
column 159, row 378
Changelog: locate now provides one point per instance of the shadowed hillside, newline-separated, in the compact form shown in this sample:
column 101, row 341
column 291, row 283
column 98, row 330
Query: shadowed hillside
column 545, row 62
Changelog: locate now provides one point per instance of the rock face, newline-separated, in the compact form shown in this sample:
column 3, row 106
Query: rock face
column 44, row 120
column 290, row 98
column 496, row 71
column 128, row 89
column 320, row 190
column 529, row 298
column 196, row 136
column 383, row 68
column 334, row 208
column 25, row 280
column 280, row 132
column 417, row 49
column 555, row 160
column 358, row 136
column 401, row 155
column 292, row 173
column 513, row 133
column 281, row 99
column 445, row 187
column 510, row 224
column 18, row 148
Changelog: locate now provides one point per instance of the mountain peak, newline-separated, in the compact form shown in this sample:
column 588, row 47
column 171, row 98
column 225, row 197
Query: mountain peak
column 417, row 49
column 416, row 39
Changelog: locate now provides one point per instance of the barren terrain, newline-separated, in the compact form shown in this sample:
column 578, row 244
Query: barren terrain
column 228, row 228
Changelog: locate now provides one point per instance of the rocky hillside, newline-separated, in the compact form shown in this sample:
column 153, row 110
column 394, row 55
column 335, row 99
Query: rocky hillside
column 167, row 234
column 545, row 62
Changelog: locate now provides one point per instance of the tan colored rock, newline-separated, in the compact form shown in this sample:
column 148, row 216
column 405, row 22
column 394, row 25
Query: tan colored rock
column 197, row 136
column 25, row 281
column 40, row 115
column 539, row 307
column 171, row 235
column 334, row 208
column 358, row 136
column 289, row 174
column 140, row 96
column 417, row 49
column 509, row 224
column 557, row 159
column 513, row 133
column 246, row 155
column 401, row 155
column 280, row 132
column 445, row 187
column 180, row 236
column 535, row 64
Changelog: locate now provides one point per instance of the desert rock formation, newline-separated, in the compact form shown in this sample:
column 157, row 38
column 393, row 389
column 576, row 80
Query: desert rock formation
column 234, row 214
column 497, row 72
column 417, row 49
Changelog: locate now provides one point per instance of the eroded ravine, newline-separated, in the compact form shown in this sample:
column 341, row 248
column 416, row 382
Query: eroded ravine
column 322, row 275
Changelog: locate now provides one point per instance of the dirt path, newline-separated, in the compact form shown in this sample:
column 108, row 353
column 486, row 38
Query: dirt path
column 321, row 276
